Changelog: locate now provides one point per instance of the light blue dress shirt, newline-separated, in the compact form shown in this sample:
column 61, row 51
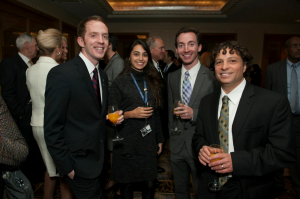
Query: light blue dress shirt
column 289, row 74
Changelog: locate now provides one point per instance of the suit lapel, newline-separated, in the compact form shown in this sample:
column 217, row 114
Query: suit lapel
column 283, row 75
column 104, row 85
column 214, row 116
column 81, row 68
column 176, row 80
column 197, row 86
column 243, row 110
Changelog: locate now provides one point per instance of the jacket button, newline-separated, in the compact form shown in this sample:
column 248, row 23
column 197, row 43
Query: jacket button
column 101, row 140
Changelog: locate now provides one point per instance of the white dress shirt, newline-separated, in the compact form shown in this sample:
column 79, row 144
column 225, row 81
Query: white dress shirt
column 193, row 76
column 25, row 59
column 155, row 64
column 90, row 66
column 233, row 103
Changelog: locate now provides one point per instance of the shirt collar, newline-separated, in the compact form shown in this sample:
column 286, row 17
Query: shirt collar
column 236, row 94
column 25, row 59
column 90, row 66
column 155, row 63
column 170, row 64
column 193, row 71
column 289, row 63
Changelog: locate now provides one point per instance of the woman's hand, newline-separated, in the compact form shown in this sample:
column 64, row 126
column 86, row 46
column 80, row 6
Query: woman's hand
column 139, row 112
column 160, row 145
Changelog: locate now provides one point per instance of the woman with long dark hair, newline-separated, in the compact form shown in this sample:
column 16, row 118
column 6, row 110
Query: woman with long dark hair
column 135, row 157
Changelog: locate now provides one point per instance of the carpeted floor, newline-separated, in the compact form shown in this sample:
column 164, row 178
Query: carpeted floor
column 165, row 189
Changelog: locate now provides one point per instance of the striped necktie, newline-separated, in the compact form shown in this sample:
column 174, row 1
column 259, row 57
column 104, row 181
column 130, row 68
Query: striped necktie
column 223, row 132
column 95, row 81
column 186, row 89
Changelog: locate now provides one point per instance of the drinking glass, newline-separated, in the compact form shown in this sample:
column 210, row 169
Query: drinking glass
column 176, row 129
column 113, row 116
column 215, row 186
column 147, row 105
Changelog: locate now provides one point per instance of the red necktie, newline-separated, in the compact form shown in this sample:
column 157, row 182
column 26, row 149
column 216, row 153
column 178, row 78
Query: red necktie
column 95, row 81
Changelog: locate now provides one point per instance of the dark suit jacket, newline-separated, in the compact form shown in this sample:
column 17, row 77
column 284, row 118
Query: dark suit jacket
column 205, row 84
column 113, row 68
column 14, row 89
column 276, row 77
column 262, row 138
column 171, row 69
column 74, row 127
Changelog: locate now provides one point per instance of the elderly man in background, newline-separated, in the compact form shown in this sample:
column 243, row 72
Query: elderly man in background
column 17, row 97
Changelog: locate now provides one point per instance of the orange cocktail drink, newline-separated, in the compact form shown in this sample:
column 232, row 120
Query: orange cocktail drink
column 113, row 117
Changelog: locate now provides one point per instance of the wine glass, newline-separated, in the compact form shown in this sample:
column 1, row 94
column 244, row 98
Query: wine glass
column 113, row 116
column 215, row 186
column 176, row 129
column 148, row 105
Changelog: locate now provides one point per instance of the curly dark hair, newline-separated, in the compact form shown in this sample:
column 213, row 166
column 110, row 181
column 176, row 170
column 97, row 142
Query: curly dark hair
column 234, row 47
column 151, row 75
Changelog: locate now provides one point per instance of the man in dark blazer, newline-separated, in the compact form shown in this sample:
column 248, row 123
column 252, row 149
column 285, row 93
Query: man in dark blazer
column 115, row 63
column 17, row 97
column 254, row 128
column 278, row 79
column 168, row 60
column 75, row 110
column 183, row 158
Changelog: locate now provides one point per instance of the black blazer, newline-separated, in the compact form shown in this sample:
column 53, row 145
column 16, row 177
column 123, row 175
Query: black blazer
column 263, row 139
column 14, row 89
column 171, row 69
column 75, row 128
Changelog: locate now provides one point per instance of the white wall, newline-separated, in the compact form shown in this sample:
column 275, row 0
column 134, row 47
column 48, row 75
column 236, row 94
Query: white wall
column 250, row 35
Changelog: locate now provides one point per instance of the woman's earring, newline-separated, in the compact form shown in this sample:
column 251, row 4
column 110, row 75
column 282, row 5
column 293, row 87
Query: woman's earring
column 58, row 53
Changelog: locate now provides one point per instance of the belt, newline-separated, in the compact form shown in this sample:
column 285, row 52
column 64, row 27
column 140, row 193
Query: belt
column 296, row 115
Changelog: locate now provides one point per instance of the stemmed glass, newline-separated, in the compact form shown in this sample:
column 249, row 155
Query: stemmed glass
column 215, row 186
column 176, row 129
column 148, row 105
column 113, row 116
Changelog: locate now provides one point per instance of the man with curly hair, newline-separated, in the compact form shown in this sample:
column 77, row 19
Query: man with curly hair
column 253, row 126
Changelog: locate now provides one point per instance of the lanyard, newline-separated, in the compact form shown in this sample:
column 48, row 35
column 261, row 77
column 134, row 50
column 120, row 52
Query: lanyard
column 145, row 89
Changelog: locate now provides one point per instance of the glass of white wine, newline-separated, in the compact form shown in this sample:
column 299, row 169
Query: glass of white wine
column 176, row 130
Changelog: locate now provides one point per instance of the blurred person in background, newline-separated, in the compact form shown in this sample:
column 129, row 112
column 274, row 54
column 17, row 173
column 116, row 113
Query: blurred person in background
column 205, row 59
column 17, row 98
column 65, row 50
column 13, row 147
column 50, row 45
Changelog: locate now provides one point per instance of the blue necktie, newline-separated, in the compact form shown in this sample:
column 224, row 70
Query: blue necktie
column 186, row 89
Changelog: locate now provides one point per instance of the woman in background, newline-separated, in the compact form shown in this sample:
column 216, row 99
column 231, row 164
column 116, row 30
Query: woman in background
column 13, row 147
column 65, row 50
column 50, row 45
column 135, row 157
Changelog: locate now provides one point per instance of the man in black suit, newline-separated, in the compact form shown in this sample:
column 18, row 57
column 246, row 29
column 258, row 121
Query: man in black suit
column 17, row 98
column 75, row 110
column 254, row 128
column 278, row 79
column 168, row 60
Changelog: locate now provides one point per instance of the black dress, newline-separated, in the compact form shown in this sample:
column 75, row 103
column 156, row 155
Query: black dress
column 135, row 157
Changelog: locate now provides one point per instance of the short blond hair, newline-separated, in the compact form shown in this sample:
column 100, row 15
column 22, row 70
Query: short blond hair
column 48, row 40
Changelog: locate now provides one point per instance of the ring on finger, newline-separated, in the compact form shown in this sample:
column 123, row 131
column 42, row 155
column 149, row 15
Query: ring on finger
column 222, row 166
